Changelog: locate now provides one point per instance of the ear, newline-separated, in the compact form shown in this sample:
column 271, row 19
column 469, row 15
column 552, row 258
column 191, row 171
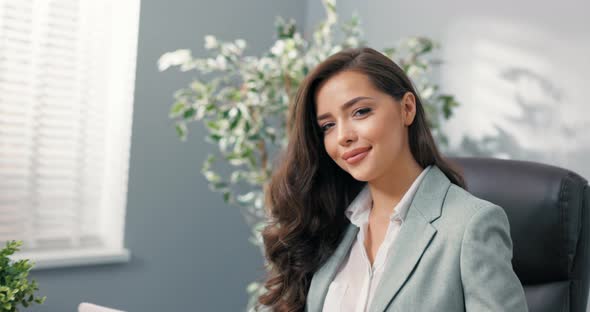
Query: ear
column 408, row 108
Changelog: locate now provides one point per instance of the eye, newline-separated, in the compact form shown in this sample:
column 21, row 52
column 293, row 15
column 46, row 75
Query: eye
column 363, row 111
column 325, row 127
column 360, row 112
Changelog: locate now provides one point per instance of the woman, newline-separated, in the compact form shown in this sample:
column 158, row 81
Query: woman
column 365, row 213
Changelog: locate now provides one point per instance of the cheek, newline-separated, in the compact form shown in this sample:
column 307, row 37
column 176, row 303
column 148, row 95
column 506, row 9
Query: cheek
column 387, row 134
column 330, row 147
column 394, row 138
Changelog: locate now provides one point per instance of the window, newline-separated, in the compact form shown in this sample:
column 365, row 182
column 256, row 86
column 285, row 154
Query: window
column 67, row 73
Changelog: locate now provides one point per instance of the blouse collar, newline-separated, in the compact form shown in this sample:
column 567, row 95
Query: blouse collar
column 358, row 210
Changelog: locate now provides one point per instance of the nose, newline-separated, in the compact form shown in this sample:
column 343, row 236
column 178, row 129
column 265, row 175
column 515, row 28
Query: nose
column 346, row 135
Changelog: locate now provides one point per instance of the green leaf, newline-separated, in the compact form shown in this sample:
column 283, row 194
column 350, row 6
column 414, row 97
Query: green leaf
column 176, row 109
column 330, row 6
column 189, row 113
column 448, row 105
column 214, row 137
column 226, row 197
column 219, row 185
column 236, row 176
column 254, row 137
column 212, row 177
column 237, row 161
column 235, row 120
column 207, row 164
column 212, row 125
column 236, row 95
column 209, row 107
column 181, row 131
column 247, row 198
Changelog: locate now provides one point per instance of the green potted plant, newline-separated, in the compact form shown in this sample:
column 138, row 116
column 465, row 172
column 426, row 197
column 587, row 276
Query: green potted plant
column 243, row 101
column 15, row 289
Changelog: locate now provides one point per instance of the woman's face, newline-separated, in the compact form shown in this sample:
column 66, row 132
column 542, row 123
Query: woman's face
column 356, row 117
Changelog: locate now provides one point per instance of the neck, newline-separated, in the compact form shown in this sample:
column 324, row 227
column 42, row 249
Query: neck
column 388, row 189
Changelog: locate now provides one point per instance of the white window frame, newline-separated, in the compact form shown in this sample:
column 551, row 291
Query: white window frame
column 118, row 36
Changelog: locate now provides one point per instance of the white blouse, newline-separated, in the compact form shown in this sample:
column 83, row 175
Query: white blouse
column 355, row 282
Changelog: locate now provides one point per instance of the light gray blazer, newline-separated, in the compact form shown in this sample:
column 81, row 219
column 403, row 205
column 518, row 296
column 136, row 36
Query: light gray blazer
column 453, row 253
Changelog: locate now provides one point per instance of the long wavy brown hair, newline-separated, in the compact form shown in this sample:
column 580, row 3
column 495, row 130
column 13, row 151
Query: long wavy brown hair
column 308, row 192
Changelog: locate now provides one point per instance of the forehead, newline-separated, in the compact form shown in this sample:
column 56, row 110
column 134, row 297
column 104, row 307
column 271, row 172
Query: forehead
column 343, row 86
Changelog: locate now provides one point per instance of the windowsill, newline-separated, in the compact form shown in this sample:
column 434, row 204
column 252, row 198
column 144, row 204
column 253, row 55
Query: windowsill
column 73, row 258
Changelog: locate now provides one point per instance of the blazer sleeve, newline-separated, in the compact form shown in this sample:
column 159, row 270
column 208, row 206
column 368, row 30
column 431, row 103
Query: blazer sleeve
column 489, row 281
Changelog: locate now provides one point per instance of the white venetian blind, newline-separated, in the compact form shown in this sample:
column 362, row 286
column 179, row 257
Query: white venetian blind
column 67, row 70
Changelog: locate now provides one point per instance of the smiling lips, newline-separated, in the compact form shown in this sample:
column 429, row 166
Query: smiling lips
column 356, row 155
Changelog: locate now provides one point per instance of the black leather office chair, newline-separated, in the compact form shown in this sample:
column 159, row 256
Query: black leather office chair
column 548, row 210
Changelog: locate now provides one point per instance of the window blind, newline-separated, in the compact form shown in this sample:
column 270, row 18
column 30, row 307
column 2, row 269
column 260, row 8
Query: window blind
column 67, row 70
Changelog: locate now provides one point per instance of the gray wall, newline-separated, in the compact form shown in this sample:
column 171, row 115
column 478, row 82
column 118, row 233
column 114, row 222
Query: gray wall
column 518, row 68
column 189, row 250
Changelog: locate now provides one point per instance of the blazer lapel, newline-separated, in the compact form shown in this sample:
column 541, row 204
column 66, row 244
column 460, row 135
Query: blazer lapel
column 326, row 273
column 413, row 238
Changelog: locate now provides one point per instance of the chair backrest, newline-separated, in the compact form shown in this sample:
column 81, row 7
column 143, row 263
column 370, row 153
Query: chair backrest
column 548, row 210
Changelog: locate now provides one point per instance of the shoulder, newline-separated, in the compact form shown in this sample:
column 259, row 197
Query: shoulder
column 462, row 203
column 463, row 212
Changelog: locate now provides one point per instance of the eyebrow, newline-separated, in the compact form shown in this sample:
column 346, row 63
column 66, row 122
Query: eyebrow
column 344, row 106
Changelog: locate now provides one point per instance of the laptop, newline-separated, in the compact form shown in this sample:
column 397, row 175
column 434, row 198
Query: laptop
column 89, row 307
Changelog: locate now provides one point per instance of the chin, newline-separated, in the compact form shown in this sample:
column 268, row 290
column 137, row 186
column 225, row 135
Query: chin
column 360, row 175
